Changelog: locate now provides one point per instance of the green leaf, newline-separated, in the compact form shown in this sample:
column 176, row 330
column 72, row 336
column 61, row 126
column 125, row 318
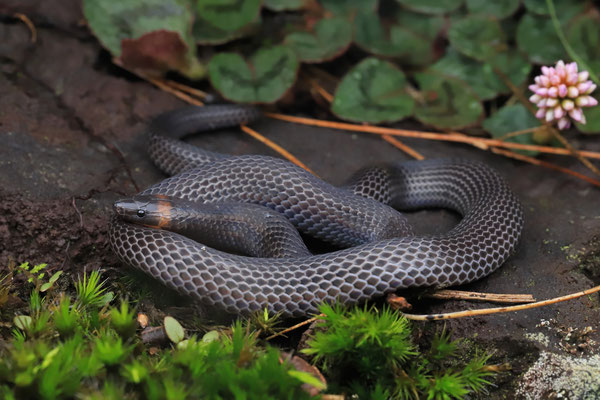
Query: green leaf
column 373, row 91
column 285, row 5
column 513, row 65
column 45, row 286
column 345, row 7
column 307, row 378
column 449, row 103
column 397, row 41
column 330, row 39
column 432, row 6
column 498, row 8
column 482, row 77
column 55, row 277
column 479, row 76
column 592, row 116
column 565, row 9
column 174, row 330
column 272, row 71
column 478, row 37
column 205, row 33
column 510, row 119
column 228, row 15
column 583, row 34
column 536, row 38
column 427, row 26
column 210, row 336
column 151, row 35
column 22, row 321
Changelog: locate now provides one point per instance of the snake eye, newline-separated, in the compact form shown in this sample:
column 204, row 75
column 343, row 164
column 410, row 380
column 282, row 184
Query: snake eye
column 141, row 213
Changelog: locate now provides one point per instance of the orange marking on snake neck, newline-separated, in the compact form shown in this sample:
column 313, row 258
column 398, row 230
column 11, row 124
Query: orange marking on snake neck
column 164, row 209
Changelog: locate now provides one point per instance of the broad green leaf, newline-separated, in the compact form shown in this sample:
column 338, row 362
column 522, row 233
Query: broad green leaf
column 565, row 9
column 345, row 7
column 173, row 329
column 583, row 34
column 285, row 5
column 373, row 91
column 331, row 38
column 498, row 8
column 432, row 6
column 513, row 65
column 592, row 116
column 478, row 37
column 483, row 77
column 228, row 15
column 266, row 77
column 449, row 103
column 22, row 321
column 207, row 34
column 55, row 276
column 396, row 42
column 480, row 77
column 536, row 38
column 427, row 26
column 210, row 336
column 112, row 21
column 511, row 119
column 149, row 35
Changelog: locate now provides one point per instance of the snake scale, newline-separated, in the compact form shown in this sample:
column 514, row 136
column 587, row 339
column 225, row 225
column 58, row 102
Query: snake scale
column 379, row 254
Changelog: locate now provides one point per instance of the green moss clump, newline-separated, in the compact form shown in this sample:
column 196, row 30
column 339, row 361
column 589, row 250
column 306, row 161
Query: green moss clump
column 371, row 353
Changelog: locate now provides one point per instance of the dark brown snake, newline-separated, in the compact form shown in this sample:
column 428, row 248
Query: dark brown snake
column 380, row 253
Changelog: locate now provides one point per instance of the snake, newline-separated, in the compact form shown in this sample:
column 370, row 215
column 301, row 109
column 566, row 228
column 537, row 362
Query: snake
column 233, row 261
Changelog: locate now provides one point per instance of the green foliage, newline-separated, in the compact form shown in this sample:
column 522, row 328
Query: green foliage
column 488, row 48
column 90, row 291
column 85, row 349
column 373, row 351
column 123, row 320
column 36, row 275
column 66, row 318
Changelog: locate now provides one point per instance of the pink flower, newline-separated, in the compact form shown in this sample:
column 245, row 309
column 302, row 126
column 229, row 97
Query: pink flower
column 561, row 92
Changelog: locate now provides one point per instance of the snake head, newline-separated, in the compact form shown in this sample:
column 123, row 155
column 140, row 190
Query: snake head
column 152, row 211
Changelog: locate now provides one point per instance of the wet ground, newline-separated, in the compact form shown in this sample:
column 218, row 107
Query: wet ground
column 72, row 141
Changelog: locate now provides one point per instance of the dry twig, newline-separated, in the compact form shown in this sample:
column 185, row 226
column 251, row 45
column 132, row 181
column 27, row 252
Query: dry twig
column 496, row 310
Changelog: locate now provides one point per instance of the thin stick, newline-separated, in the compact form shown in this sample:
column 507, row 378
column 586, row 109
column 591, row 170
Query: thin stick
column 496, row 310
column 275, row 147
column 25, row 19
column 535, row 161
column 187, row 89
column 163, row 85
column 519, row 133
column 478, row 296
column 398, row 144
column 449, row 137
column 300, row 325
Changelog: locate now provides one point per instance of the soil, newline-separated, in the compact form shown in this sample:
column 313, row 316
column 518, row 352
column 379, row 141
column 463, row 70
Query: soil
column 72, row 141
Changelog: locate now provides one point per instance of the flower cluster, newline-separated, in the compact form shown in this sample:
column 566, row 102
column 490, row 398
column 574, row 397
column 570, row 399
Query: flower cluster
column 560, row 92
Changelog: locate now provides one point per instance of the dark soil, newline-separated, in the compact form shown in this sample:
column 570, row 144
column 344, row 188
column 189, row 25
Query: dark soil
column 72, row 141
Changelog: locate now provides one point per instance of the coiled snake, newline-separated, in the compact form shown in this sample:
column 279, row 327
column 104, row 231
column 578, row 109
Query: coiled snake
column 379, row 255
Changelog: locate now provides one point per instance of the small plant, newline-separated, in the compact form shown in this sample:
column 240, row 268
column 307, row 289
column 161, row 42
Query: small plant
column 91, row 292
column 122, row 320
column 83, row 348
column 65, row 317
column 371, row 353
column 36, row 276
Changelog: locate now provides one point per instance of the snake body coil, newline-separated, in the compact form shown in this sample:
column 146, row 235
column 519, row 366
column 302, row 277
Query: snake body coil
column 385, row 255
